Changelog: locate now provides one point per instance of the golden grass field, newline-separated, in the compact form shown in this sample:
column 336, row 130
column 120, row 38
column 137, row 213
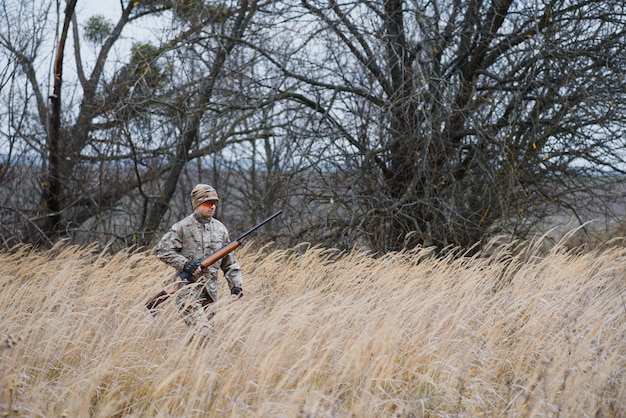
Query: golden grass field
column 318, row 334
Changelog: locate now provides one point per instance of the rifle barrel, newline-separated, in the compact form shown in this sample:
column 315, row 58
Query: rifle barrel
column 242, row 236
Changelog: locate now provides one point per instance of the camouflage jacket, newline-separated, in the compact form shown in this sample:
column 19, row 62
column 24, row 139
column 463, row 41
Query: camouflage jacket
column 194, row 238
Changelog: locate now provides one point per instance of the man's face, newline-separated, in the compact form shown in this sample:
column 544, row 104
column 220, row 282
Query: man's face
column 207, row 209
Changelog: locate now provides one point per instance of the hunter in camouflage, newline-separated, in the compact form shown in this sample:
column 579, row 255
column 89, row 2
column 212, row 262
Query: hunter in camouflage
column 189, row 241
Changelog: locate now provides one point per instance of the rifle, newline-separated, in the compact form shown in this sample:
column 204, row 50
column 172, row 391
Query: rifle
column 171, row 288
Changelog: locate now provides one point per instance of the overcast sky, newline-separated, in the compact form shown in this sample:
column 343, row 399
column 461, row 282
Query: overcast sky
column 108, row 8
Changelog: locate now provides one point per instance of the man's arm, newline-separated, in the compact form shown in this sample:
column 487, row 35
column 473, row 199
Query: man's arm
column 232, row 272
column 169, row 248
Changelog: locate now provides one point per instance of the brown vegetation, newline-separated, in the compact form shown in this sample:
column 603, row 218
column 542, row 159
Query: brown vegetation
column 318, row 334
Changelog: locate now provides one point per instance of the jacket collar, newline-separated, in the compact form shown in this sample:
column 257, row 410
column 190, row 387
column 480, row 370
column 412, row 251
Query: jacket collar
column 201, row 218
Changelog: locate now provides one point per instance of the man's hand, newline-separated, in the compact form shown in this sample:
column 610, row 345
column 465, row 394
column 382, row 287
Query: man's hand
column 192, row 267
column 236, row 293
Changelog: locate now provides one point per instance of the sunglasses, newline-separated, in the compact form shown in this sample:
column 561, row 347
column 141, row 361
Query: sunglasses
column 210, row 203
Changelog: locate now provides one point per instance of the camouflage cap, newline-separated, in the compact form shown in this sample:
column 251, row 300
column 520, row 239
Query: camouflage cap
column 202, row 193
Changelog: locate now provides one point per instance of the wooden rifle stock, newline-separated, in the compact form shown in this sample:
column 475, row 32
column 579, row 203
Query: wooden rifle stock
column 172, row 288
column 222, row 252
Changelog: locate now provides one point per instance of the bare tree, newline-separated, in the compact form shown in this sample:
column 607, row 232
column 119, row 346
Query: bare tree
column 67, row 128
column 453, row 120
column 199, row 103
column 118, row 153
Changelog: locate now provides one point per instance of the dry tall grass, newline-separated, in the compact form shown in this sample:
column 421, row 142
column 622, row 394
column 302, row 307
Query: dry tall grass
column 318, row 334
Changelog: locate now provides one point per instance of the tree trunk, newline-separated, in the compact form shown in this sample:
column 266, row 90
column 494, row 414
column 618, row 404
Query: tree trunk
column 50, row 206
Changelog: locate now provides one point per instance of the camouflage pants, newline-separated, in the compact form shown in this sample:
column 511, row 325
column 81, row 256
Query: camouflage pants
column 196, row 304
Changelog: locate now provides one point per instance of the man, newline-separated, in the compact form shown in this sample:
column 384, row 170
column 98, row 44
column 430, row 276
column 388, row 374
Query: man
column 189, row 241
